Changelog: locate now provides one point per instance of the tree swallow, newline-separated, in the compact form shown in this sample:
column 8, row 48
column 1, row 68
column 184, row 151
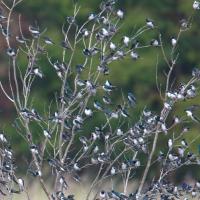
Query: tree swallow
column 196, row 5
column 150, row 23
column 120, row 14
column 11, row 52
column 173, row 42
column 134, row 55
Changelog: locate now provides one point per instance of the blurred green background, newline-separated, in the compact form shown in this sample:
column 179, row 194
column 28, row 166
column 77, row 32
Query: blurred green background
column 139, row 76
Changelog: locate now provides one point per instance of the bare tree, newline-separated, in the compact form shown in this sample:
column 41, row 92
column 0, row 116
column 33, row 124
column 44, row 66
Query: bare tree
column 115, row 147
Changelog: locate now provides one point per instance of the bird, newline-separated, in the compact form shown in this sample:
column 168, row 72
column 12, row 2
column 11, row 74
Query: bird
column 88, row 112
column 11, row 52
column 189, row 111
column 48, row 41
column 126, row 40
column 103, row 69
column 35, row 173
column 5, row 32
column 34, row 31
column 2, row 17
column 173, row 41
column 3, row 138
column 105, row 32
column 113, row 170
column 119, row 132
column 36, row 71
column 154, row 43
column 63, row 182
column 76, row 167
column 198, row 184
column 47, row 134
column 181, row 151
column 103, row 194
column 92, row 16
column 34, row 149
column 196, row 5
column 123, row 111
column 124, row 166
column 131, row 99
column 108, row 87
column 184, row 143
column 134, row 55
column 85, row 32
column 98, row 105
column 112, row 46
column 106, row 100
column 96, row 149
column 176, row 120
column 170, row 143
column 20, row 39
column 150, row 23
column 20, row 182
column 120, row 14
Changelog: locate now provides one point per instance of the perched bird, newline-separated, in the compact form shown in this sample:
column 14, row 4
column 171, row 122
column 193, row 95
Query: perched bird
column 35, row 173
column 20, row 182
column 103, row 194
column 131, row 99
column 150, row 23
column 96, row 149
column 103, row 69
column 63, row 182
column 124, row 166
column 20, row 39
column 48, row 41
column 173, row 42
column 154, row 43
column 47, row 134
column 198, row 184
column 88, row 112
column 196, row 5
column 120, row 14
column 2, row 17
column 170, row 143
column 119, row 132
column 134, row 55
column 176, row 120
column 108, row 87
column 34, row 31
column 98, row 105
column 189, row 111
column 34, row 149
column 11, row 52
column 112, row 46
column 92, row 16
column 5, row 32
column 126, row 40
column 184, row 143
column 106, row 100
column 76, row 167
column 3, row 138
column 36, row 71
column 105, row 32
column 85, row 32
column 113, row 170
column 123, row 111
column 181, row 151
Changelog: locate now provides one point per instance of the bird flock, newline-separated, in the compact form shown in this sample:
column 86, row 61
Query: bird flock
column 117, row 144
